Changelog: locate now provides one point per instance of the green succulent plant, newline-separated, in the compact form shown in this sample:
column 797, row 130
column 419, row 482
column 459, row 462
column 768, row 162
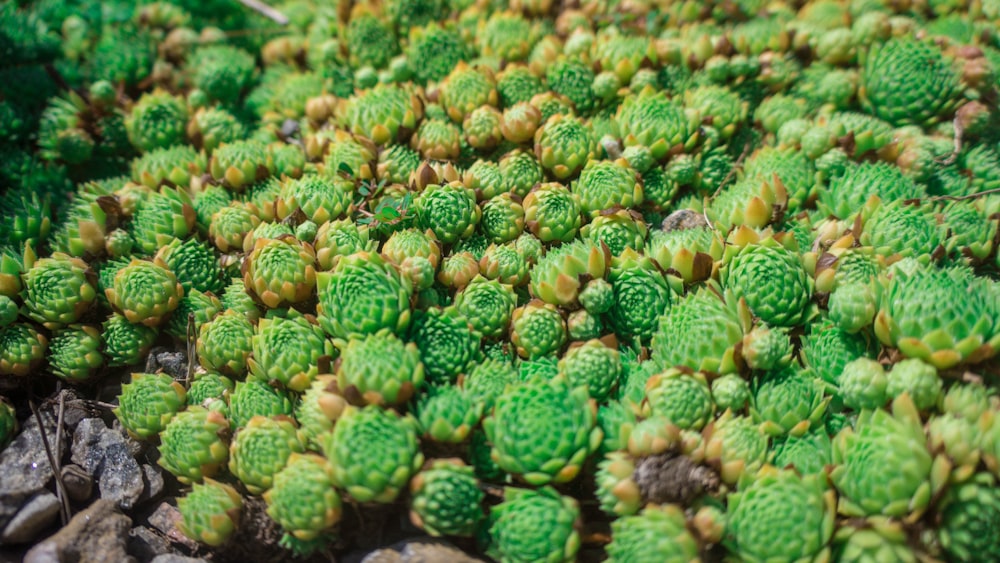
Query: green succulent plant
column 280, row 271
column 289, row 350
column 556, row 277
column 552, row 212
column 438, row 49
column 534, row 526
column 564, row 145
column 594, row 365
column 240, row 163
column 892, row 446
column 193, row 263
column 211, row 127
column 906, row 81
column 487, row 305
column 230, row 225
column 58, row 290
column 685, row 400
column 174, row 165
column 384, row 114
column 391, row 456
column 210, row 390
column 194, row 444
column 23, row 349
column 850, row 191
column 968, row 526
column 74, row 352
column 517, row 83
column 8, row 311
column 363, row 293
column 145, row 293
column 225, row 343
column 906, row 229
column 446, row 499
column 448, row 345
column 148, row 402
column 320, row 406
column 335, row 239
column 252, row 398
column 302, row 499
column 319, row 198
column 808, row 454
column 465, row 89
column 639, row 288
column 762, row 523
column 657, row 533
column 788, row 401
column 260, row 450
column 917, row 379
column 380, row 369
column 537, row 330
column 210, row 512
column 449, row 210
column 862, row 384
column 730, row 392
column 773, row 266
column 700, row 332
column 543, row 431
column 162, row 217
column 447, row 414
column 930, row 314
column 157, row 120
column 651, row 119
column 689, row 252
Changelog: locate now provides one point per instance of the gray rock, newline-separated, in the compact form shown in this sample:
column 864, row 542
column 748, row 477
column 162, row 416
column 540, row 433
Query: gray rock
column 174, row 558
column 683, row 219
column 76, row 408
column 34, row 517
column 96, row 535
column 79, row 484
column 104, row 453
column 386, row 555
column 165, row 519
column 24, row 466
column 169, row 361
column 144, row 544
column 435, row 552
column 153, row 477
column 420, row 550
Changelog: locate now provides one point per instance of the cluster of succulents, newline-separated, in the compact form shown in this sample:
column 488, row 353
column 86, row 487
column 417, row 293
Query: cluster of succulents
column 730, row 268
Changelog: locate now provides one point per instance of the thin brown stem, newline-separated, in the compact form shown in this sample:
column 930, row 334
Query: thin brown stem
column 53, row 463
column 266, row 11
column 191, row 350
column 964, row 197
column 63, row 498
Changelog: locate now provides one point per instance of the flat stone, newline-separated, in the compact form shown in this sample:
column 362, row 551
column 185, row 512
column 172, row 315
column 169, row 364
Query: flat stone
column 174, row 558
column 683, row 219
column 144, row 544
column 435, row 551
column 383, row 556
column 153, row 478
column 34, row 517
column 420, row 550
column 97, row 535
column 78, row 482
column 104, row 453
column 24, row 465
column 76, row 408
column 173, row 362
column 165, row 519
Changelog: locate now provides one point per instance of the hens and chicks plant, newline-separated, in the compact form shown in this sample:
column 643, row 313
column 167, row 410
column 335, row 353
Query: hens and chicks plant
column 726, row 269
